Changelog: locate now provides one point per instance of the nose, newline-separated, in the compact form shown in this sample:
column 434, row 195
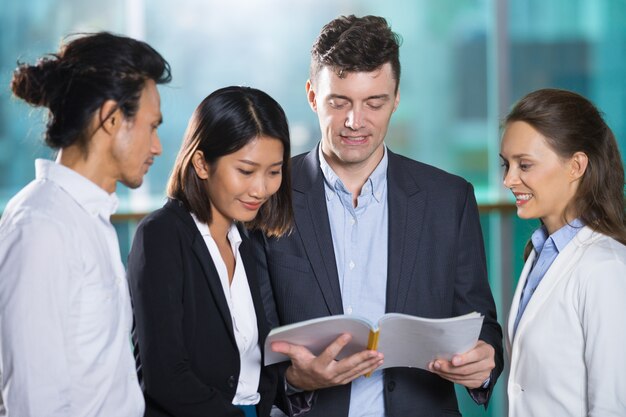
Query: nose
column 156, row 148
column 354, row 118
column 258, row 188
column 510, row 178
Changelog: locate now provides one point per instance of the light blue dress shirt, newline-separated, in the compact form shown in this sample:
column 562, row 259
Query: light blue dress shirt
column 360, row 242
column 547, row 248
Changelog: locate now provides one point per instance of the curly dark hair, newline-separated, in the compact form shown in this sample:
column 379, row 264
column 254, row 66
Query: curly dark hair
column 355, row 44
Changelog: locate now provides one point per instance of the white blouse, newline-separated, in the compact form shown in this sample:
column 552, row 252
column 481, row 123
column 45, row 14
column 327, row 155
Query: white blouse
column 242, row 313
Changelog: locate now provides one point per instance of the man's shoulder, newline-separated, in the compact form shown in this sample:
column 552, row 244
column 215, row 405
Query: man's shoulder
column 41, row 202
column 41, row 212
column 425, row 175
column 298, row 160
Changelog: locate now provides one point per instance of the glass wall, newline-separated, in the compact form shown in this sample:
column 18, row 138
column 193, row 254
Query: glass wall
column 464, row 62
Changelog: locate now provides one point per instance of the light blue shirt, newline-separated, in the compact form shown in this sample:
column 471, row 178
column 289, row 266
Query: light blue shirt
column 360, row 237
column 547, row 248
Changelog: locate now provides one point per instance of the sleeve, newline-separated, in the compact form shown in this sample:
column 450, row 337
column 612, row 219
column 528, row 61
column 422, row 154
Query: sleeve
column 156, row 274
column 473, row 293
column 602, row 309
column 290, row 400
column 35, row 295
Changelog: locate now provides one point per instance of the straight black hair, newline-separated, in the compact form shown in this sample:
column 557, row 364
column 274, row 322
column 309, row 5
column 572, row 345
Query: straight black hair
column 224, row 122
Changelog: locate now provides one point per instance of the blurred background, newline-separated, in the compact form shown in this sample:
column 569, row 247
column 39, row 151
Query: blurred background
column 464, row 63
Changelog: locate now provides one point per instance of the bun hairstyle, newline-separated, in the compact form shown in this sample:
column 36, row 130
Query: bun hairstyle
column 83, row 75
column 29, row 81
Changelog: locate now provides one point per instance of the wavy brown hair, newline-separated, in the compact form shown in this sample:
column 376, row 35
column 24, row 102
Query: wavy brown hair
column 570, row 123
column 356, row 44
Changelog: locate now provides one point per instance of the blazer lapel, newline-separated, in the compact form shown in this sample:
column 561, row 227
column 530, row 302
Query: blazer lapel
column 518, row 294
column 406, row 212
column 311, row 217
column 253, row 283
column 211, row 275
column 560, row 269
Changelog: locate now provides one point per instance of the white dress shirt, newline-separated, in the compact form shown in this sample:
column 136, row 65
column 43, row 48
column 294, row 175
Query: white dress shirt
column 242, row 313
column 65, row 313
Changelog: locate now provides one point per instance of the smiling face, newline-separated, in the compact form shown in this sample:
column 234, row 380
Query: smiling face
column 354, row 113
column 543, row 183
column 240, row 182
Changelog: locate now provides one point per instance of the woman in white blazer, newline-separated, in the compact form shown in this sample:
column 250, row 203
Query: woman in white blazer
column 567, row 326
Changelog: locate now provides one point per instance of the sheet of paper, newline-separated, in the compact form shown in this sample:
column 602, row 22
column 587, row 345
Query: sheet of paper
column 414, row 342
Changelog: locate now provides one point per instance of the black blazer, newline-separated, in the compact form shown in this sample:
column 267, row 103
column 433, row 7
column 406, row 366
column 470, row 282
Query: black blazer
column 188, row 358
column 436, row 268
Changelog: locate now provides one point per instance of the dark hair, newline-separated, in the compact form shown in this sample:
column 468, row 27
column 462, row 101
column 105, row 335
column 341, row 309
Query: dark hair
column 83, row 75
column 226, row 121
column 570, row 123
column 356, row 44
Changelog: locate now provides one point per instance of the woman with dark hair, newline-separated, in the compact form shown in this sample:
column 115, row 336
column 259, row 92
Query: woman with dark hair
column 199, row 316
column 566, row 334
column 65, row 312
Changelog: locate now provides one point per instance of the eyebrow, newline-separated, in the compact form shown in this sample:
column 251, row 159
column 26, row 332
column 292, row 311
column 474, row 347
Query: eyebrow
column 518, row 156
column 374, row 97
column 248, row 162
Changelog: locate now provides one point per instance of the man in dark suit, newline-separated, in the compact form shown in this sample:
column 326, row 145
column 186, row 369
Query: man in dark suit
column 376, row 232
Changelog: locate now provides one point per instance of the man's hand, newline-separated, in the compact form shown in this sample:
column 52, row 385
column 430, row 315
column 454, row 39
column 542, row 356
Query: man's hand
column 309, row 372
column 470, row 369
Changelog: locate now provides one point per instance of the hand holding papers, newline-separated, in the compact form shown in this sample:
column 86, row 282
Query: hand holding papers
column 404, row 340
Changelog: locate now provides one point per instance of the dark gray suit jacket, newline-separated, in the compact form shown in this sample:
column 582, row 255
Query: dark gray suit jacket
column 436, row 268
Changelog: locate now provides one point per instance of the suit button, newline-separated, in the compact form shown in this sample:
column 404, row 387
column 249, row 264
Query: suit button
column 232, row 382
column 391, row 385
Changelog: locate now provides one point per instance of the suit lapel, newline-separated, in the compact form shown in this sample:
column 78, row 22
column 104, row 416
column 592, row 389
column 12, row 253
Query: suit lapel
column 253, row 283
column 560, row 269
column 406, row 212
column 518, row 294
column 211, row 275
column 311, row 216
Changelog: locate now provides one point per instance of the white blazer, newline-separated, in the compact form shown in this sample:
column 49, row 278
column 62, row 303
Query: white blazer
column 568, row 356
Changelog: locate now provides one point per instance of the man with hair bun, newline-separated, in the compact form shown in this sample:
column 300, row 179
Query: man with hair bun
column 65, row 312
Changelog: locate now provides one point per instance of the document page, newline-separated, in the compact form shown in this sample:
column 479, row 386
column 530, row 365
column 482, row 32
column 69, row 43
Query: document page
column 317, row 334
column 414, row 341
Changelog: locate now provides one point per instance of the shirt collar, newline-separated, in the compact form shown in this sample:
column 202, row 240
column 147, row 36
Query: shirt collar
column 560, row 238
column 374, row 185
column 233, row 232
column 87, row 194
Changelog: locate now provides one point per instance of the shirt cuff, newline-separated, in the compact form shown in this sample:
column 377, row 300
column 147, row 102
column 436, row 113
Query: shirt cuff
column 299, row 402
column 481, row 394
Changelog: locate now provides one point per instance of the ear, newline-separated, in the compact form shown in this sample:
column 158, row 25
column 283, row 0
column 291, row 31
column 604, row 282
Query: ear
column 200, row 165
column 578, row 165
column 109, row 117
column 310, row 95
column 396, row 101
